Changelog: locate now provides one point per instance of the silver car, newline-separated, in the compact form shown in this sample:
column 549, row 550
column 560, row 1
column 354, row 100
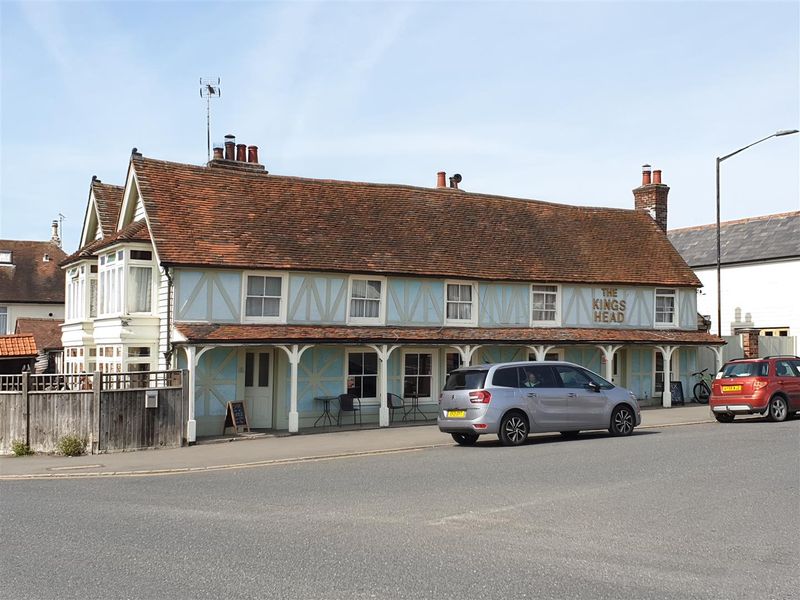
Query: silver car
column 515, row 399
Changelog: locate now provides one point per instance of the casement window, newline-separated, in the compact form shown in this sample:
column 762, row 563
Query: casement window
column 3, row 320
column 665, row 307
column 417, row 374
column 110, row 282
column 367, row 301
column 545, row 304
column 362, row 375
column 265, row 297
column 140, row 281
column 461, row 303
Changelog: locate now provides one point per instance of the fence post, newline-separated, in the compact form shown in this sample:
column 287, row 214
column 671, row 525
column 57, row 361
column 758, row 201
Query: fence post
column 26, row 396
column 96, row 384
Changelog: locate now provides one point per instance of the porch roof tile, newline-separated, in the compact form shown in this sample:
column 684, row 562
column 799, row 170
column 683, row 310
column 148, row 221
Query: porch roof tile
column 12, row 346
column 248, row 334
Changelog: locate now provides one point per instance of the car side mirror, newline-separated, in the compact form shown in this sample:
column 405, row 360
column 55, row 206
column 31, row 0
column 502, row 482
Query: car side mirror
column 593, row 386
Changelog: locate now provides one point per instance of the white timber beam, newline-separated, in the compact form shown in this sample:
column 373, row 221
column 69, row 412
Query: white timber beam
column 384, row 351
column 609, row 350
column 295, row 353
column 667, row 352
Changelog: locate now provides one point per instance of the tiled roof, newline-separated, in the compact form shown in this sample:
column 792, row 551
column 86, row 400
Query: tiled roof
column 133, row 232
column 225, row 217
column 221, row 333
column 13, row 346
column 30, row 278
column 108, row 199
column 769, row 237
column 47, row 332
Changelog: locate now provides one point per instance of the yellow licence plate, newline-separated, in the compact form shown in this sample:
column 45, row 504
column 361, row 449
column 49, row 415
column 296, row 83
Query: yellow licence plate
column 456, row 414
column 731, row 388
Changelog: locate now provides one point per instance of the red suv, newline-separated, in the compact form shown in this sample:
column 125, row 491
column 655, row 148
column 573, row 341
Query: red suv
column 749, row 386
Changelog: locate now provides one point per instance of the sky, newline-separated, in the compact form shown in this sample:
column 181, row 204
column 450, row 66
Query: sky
column 557, row 101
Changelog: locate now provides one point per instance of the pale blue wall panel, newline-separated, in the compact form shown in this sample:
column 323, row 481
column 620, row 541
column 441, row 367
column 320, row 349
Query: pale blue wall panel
column 226, row 296
column 504, row 305
column 584, row 306
column 415, row 302
column 687, row 308
column 215, row 381
column 191, row 297
column 320, row 299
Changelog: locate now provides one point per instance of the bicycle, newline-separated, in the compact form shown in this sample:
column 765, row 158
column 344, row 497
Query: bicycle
column 702, row 389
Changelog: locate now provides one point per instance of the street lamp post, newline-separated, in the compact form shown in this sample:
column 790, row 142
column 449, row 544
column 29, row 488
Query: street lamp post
column 719, row 249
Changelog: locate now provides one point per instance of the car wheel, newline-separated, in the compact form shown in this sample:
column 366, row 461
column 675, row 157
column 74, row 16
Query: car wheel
column 465, row 439
column 724, row 417
column 622, row 421
column 778, row 409
column 570, row 435
column 513, row 429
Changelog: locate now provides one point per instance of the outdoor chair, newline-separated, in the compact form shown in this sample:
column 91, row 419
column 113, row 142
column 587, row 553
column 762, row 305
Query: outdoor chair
column 348, row 403
column 395, row 402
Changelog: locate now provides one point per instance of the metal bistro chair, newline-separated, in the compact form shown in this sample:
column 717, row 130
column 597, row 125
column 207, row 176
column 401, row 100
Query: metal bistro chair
column 348, row 403
column 395, row 402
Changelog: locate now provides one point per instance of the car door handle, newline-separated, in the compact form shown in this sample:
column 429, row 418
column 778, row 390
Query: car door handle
column 531, row 395
column 572, row 394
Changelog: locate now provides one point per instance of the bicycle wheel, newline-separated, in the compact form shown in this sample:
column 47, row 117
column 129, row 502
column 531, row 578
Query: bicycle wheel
column 701, row 392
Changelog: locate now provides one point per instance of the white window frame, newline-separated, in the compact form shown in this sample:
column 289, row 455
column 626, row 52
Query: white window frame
column 130, row 264
column 283, row 309
column 4, row 312
column 554, row 322
column 381, row 318
column 675, row 318
column 366, row 401
column 472, row 322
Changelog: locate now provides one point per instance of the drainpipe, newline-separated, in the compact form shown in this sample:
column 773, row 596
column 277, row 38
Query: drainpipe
column 168, row 352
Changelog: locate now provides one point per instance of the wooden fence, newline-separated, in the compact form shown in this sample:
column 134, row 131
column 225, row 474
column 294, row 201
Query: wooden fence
column 112, row 412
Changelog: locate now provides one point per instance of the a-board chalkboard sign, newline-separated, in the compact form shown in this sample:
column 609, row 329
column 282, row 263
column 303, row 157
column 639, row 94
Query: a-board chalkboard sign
column 236, row 417
column 676, row 389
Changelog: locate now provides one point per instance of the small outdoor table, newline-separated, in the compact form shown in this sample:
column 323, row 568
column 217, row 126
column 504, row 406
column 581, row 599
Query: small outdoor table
column 326, row 417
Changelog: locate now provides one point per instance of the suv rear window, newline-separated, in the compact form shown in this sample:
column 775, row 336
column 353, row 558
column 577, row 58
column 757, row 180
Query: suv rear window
column 745, row 369
column 466, row 380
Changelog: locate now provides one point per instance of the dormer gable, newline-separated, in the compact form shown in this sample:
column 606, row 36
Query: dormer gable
column 102, row 211
column 132, row 206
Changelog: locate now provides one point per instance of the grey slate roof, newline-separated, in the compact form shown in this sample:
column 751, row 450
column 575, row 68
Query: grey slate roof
column 756, row 239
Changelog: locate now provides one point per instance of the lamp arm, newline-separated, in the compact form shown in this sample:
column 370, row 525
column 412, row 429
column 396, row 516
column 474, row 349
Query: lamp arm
column 746, row 147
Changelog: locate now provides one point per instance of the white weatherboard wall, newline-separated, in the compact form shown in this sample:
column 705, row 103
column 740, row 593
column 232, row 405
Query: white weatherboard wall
column 31, row 311
column 770, row 292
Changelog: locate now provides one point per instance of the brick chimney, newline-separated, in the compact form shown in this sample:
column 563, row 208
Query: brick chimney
column 651, row 196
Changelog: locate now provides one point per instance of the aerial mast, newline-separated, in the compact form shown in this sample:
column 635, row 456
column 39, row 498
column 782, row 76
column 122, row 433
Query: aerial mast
column 209, row 88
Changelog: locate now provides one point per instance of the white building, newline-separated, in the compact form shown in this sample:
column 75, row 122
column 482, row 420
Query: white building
column 760, row 272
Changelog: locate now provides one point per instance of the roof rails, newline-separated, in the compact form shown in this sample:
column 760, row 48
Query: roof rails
column 782, row 356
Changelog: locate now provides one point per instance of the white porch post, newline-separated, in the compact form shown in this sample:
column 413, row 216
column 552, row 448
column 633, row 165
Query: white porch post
column 384, row 352
column 540, row 351
column 467, row 352
column 294, row 352
column 191, row 424
column 666, row 351
column 717, row 350
column 609, row 351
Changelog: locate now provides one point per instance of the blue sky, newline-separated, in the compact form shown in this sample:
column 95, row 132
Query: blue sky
column 559, row 101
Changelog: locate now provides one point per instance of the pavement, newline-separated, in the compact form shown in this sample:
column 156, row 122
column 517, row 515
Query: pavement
column 250, row 451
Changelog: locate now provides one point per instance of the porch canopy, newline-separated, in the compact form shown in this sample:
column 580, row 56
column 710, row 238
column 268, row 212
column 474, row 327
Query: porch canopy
column 294, row 340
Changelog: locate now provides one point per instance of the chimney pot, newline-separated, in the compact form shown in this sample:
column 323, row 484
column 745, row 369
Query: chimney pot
column 230, row 143
column 241, row 152
column 218, row 155
column 252, row 154
column 441, row 179
column 657, row 176
column 645, row 174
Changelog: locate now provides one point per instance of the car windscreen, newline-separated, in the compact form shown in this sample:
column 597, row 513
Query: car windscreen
column 745, row 369
column 472, row 379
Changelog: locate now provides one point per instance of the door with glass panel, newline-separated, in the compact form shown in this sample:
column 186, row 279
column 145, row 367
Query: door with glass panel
column 258, row 387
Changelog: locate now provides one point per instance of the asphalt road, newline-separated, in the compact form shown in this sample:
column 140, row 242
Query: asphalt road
column 706, row 511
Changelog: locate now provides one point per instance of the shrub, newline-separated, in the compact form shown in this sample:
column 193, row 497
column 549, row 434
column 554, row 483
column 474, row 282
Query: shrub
column 20, row 448
column 71, row 445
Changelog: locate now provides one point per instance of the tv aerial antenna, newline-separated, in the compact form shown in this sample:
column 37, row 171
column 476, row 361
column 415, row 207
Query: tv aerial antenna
column 209, row 88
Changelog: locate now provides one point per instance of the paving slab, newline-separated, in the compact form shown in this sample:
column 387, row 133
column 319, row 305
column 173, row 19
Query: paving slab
column 265, row 449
